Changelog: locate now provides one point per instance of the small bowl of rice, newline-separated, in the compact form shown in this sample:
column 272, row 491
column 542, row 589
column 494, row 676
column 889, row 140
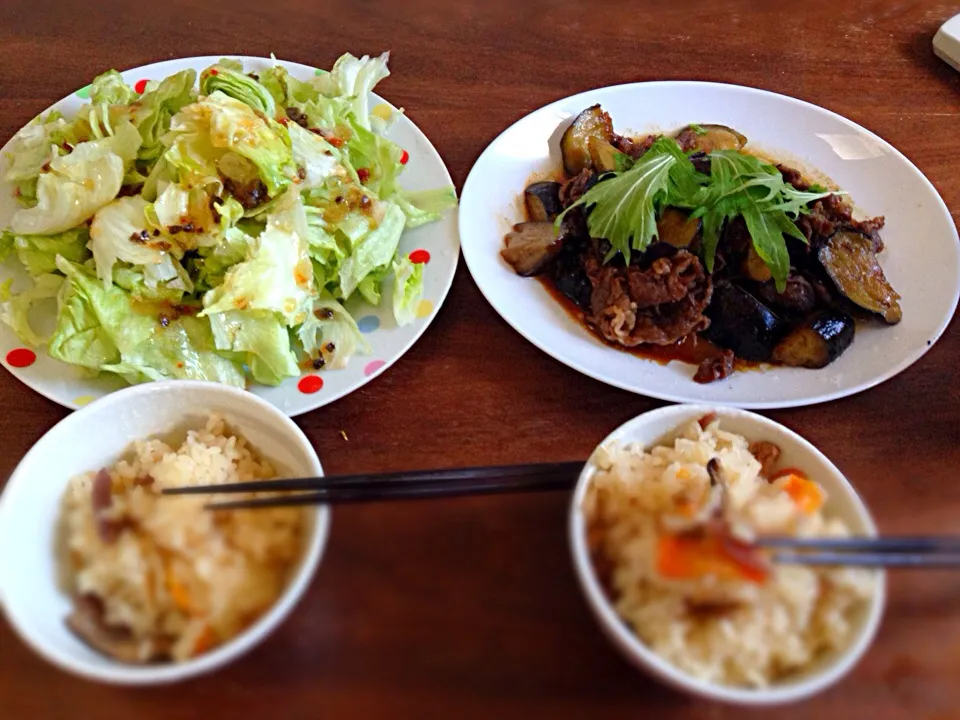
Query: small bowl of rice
column 660, row 527
column 110, row 580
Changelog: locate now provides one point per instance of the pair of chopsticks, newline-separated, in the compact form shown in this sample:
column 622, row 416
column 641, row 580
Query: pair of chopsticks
column 412, row 485
column 904, row 552
column 870, row 552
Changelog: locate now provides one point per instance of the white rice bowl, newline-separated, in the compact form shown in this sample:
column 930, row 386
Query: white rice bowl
column 179, row 579
column 726, row 638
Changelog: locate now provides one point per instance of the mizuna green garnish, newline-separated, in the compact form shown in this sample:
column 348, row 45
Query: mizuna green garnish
column 624, row 206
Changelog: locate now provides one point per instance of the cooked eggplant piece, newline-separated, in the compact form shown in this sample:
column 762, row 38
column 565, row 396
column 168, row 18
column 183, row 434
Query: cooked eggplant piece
column 817, row 341
column 677, row 228
column 701, row 162
column 575, row 143
column 603, row 155
column 849, row 259
column 707, row 138
column 754, row 267
column 543, row 200
column 530, row 247
column 798, row 298
column 742, row 323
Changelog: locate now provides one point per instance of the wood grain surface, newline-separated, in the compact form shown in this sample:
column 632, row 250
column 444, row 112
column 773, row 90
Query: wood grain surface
column 469, row 608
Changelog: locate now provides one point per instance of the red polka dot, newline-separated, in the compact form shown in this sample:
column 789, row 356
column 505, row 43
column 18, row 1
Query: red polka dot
column 21, row 357
column 140, row 86
column 419, row 256
column 310, row 384
column 404, row 156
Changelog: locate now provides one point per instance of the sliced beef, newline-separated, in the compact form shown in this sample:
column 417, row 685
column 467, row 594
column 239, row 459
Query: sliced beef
column 793, row 177
column 658, row 305
column 574, row 188
column 632, row 146
column 715, row 368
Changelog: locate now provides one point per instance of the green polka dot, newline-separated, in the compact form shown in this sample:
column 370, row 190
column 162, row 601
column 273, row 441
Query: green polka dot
column 318, row 71
column 84, row 92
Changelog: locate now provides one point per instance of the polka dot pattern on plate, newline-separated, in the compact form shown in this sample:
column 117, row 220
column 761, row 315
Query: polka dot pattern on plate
column 420, row 256
column 368, row 323
column 21, row 358
column 371, row 367
column 140, row 86
column 82, row 400
column 424, row 308
column 84, row 92
column 310, row 384
column 404, row 157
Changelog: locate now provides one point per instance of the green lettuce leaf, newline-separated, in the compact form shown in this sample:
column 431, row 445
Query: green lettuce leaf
column 374, row 250
column 119, row 232
column 38, row 253
column 157, row 106
column 238, row 86
column 78, row 184
column 202, row 134
column 110, row 89
column 96, row 324
column 318, row 158
column 262, row 339
column 183, row 350
column 15, row 309
column 354, row 78
column 330, row 333
column 285, row 89
column 30, row 150
column 407, row 289
column 276, row 275
column 425, row 206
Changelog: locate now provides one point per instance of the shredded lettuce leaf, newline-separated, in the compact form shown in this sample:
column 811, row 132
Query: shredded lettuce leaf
column 214, row 226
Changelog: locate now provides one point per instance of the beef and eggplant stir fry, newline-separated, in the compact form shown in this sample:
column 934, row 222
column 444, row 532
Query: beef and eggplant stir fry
column 660, row 241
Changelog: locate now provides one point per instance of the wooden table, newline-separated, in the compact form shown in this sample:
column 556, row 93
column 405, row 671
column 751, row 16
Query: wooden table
column 469, row 608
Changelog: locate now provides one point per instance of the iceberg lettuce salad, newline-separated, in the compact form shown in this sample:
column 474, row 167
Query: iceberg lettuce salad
column 212, row 228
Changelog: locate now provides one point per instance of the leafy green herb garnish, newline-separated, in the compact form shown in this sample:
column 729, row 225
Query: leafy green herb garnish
column 698, row 129
column 623, row 207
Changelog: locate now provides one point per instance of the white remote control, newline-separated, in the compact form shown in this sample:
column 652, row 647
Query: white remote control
column 946, row 43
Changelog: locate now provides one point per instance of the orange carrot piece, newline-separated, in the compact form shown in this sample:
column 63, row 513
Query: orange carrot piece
column 805, row 493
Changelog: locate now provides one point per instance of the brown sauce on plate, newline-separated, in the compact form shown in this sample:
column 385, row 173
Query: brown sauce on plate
column 692, row 349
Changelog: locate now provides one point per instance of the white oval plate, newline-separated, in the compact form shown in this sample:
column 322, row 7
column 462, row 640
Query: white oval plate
column 921, row 259
column 68, row 386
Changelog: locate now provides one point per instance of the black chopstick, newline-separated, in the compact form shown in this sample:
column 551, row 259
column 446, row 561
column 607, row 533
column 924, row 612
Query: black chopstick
column 403, row 491
column 870, row 560
column 905, row 551
column 377, row 481
column 904, row 544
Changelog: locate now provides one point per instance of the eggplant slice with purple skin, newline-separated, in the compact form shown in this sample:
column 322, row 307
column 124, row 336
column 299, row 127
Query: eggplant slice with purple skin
column 530, row 247
column 542, row 200
column 850, row 260
column 817, row 341
column 740, row 322
column 575, row 143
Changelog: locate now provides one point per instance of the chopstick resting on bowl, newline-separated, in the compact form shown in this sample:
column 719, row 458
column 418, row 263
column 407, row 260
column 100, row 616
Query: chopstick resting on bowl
column 409, row 485
column 904, row 552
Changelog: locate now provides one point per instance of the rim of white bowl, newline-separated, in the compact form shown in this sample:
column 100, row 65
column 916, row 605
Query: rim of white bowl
column 123, row 674
column 640, row 655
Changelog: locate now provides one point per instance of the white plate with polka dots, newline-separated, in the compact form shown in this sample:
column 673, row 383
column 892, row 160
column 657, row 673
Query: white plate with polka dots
column 435, row 244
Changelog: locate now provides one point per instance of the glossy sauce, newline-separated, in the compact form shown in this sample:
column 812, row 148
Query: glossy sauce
column 692, row 349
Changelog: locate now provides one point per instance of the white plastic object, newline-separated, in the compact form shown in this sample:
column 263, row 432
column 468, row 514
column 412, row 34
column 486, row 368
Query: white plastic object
column 946, row 43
